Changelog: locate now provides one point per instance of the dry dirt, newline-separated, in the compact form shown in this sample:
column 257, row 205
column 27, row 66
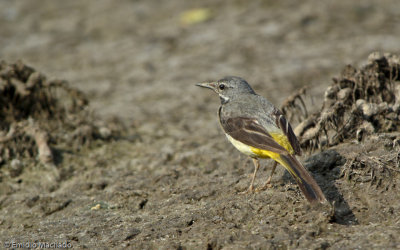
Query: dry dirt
column 145, row 164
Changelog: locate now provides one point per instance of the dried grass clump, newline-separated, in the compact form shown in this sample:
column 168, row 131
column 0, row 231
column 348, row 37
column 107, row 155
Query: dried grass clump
column 36, row 113
column 358, row 103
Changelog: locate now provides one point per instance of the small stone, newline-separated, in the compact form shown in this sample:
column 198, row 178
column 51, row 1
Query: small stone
column 368, row 109
column 343, row 94
column 330, row 92
column 15, row 168
column 105, row 132
column 360, row 102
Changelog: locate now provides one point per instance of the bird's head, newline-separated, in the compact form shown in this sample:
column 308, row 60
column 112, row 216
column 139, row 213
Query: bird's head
column 228, row 87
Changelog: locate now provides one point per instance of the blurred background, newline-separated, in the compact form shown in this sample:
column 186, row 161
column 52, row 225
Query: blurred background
column 140, row 58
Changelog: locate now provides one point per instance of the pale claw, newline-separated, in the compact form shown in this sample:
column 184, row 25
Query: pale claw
column 248, row 191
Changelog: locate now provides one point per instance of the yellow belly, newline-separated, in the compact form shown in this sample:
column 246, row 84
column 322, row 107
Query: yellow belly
column 260, row 153
column 264, row 153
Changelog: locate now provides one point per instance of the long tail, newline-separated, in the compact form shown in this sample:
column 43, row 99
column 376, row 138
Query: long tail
column 306, row 182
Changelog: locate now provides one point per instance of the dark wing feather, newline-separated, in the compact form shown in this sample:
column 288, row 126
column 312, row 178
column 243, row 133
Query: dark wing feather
column 284, row 125
column 306, row 182
column 249, row 132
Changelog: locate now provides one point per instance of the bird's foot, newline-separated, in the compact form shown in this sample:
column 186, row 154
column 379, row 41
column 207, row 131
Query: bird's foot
column 248, row 191
column 266, row 186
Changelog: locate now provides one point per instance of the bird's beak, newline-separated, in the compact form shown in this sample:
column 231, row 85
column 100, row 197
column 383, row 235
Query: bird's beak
column 209, row 85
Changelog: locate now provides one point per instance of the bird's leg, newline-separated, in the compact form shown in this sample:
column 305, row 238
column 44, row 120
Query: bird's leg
column 256, row 167
column 272, row 173
column 267, row 184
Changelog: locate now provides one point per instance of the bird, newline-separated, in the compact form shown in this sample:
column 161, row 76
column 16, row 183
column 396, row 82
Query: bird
column 260, row 130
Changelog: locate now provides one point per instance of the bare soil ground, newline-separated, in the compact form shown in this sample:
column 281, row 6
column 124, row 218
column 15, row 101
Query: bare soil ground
column 128, row 152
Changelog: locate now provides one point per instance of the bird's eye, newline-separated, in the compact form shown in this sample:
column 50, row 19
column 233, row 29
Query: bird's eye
column 221, row 86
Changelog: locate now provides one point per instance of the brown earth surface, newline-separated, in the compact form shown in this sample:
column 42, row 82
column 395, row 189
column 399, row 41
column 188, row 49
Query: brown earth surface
column 145, row 165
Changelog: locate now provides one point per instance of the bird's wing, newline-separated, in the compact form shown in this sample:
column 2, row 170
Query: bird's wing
column 284, row 125
column 250, row 132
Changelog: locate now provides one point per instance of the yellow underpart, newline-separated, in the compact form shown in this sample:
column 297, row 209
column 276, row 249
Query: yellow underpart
column 260, row 153
column 283, row 141
column 275, row 156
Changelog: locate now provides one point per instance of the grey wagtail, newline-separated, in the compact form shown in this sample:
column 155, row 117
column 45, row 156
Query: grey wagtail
column 258, row 129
